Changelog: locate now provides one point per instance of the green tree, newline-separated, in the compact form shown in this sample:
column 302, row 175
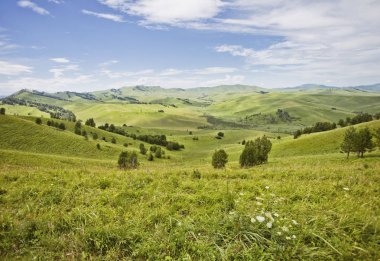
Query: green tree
column 363, row 142
column 123, row 160
column 95, row 136
column 348, row 144
column 219, row 159
column 39, row 121
column 62, row 126
column 2, row 111
column 98, row 146
column 297, row 133
column 128, row 160
column 90, row 122
column 113, row 140
column 220, row 134
column 158, row 153
column 143, row 150
column 150, row 156
column 255, row 152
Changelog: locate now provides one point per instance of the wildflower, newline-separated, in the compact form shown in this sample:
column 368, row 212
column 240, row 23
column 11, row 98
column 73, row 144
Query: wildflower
column 258, row 198
column 275, row 214
column 346, row 189
column 295, row 222
column 269, row 215
column 294, row 236
column 260, row 218
column 253, row 220
column 266, row 187
column 259, row 203
column 288, row 238
column 279, row 233
column 241, row 194
column 269, row 225
column 285, row 229
column 232, row 213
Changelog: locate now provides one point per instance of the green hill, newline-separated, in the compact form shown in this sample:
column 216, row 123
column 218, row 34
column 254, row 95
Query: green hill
column 316, row 143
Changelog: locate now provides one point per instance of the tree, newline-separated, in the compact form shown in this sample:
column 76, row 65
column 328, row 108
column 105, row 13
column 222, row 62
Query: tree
column 123, row 159
column 255, row 152
column 142, row 149
column 113, row 140
column 297, row 133
column 348, row 143
column 2, row 111
column 219, row 159
column 220, row 134
column 78, row 126
column 98, row 146
column 95, row 136
column 39, row 121
column 363, row 142
column 128, row 160
column 150, row 156
column 90, row 122
column 158, row 153
column 62, row 126
column 342, row 123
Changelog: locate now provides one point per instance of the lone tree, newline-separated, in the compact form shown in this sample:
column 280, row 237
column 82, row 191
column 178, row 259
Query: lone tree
column 39, row 121
column 128, row 160
column 90, row 122
column 78, row 126
column 62, row 126
column 219, row 159
column 220, row 134
column 150, row 156
column 363, row 142
column 348, row 144
column 143, row 150
column 113, row 140
column 95, row 136
column 158, row 153
column 255, row 152
column 2, row 111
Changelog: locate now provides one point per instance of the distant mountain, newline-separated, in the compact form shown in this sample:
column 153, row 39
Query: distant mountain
column 320, row 87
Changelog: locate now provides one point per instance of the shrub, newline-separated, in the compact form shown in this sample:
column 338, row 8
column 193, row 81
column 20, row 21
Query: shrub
column 196, row 174
column 95, row 136
column 62, row 126
column 128, row 160
column 2, row 111
column 296, row 134
column 98, row 146
column 143, row 150
column 255, row 152
column 220, row 134
column 39, row 121
column 158, row 153
column 90, row 122
column 219, row 159
column 113, row 140
column 125, row 144
column 150, row 156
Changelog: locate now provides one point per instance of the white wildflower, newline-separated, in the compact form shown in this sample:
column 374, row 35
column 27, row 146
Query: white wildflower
column 294, row 222
column 269, row 225
column 269, row 215
column 258, row 198
column 266, row 187
column 288, row 238
column 259, row 203
column 279, row 233
column 253, row 220
column 260, row 218
column 275, row 214
column 294, row 236
column 346, row 189
column 285, row 229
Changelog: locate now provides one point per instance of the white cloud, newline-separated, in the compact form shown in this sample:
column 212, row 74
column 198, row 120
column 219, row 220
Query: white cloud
column 108, row 63
column 59, row 71
column 60, row 60
column 112, row 17
column 7, row 68
column 168, row 11
column 33, row 6
column 56, row 1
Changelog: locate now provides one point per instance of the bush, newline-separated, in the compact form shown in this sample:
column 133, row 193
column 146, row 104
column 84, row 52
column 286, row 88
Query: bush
column 221, row 134
column 296, row 134
column 62, row 126
column 113, row 140
column 150, row 156
column 98, row 146
column 125, row 144
column 95, row 136
column 90, row 122
column 158, row 153
column 255, row 152
column 143, row 150
column 39, row 121
column 2, row 111
column 219, row 159
column 128, row 160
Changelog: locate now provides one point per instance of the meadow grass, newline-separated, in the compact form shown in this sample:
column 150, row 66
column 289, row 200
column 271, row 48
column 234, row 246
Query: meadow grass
column 320, row 207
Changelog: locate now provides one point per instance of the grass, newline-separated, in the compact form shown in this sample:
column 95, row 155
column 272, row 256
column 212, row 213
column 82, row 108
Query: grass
column 70, row 208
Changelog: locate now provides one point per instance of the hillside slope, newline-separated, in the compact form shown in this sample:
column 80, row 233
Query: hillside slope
column 316, row 143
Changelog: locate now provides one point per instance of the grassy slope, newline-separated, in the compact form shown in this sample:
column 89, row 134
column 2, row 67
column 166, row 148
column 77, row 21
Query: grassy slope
column 315, row 143
column 25, row 135
column 23, row 110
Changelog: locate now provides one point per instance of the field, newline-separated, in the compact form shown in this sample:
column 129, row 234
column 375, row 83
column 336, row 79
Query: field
column 62, row 195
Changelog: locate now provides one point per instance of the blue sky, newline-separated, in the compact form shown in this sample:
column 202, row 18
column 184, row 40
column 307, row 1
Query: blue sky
column 84, row 45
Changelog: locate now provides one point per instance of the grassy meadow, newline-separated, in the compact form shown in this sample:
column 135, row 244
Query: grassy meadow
column 62, row 198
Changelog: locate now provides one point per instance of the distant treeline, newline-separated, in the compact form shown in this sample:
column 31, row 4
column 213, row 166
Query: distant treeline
column 325, row 126
column 55, row 112
column 151, row 139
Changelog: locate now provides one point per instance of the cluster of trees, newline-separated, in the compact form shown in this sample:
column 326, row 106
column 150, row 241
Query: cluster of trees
column 55, row 124
column 2, row 111
column 359, row 141
column 325, row 126
column 154, row 151
column 78, row 130
column 254, row 153
column 362, row 117
column 128, row 160
column 318, row 127
column 90, row 122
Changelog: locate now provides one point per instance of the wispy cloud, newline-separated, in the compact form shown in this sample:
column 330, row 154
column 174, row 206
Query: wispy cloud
column 33, row 6
column 60, row 60
column 112, row 17
column 59, row 71
column 7, row 68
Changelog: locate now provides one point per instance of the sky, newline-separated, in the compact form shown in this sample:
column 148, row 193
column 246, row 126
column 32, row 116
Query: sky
column 86, row 45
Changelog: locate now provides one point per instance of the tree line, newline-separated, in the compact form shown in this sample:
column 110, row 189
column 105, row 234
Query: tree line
column 359, row 141
column 325, row 126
